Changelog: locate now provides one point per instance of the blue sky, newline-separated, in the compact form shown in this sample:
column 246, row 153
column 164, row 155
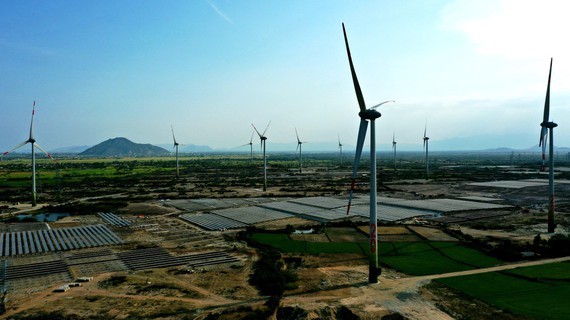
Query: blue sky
column 473, row 70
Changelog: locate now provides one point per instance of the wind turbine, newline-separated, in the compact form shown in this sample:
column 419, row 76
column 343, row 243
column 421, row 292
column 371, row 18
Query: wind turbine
column 299, row 147
column 394, row 148
column 250, row 144
column 548, row 127
column 31, row 140
column 176, row 147
column 340, row 150
column 426, row 149
column 365, row 116
column 263, row 138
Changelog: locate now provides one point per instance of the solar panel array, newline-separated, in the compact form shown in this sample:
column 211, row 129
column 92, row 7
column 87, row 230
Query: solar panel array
column 510, row 184
column 113, row 219
column 388, row 212
column 212, row 221
column 62, row 239
column 479, row 198
column 322, row 202
column 157, row 257
column 252, row 215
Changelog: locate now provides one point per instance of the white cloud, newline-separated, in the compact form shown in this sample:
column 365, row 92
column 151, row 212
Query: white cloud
column 515, row 29
column 220, row 13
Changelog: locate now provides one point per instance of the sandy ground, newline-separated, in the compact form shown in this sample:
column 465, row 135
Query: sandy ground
column 393, row 294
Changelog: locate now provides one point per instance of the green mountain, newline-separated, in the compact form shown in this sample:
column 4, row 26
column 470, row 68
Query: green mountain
column 123, row 147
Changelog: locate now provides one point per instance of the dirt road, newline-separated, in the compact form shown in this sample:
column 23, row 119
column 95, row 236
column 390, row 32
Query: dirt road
column 393, row 294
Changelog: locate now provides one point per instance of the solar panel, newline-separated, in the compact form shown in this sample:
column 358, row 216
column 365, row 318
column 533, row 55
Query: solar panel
column 251, row 215
column 212, row 221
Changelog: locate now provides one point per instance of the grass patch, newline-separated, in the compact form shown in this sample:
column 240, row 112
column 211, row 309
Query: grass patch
column 531, row 298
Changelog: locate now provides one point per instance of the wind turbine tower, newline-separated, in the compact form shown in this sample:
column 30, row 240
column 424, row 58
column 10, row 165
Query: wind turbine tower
column 176, row 148
column 426, row 149
column 299, row 147
column 548, row 127
column 394, row 148
column 340, row 150
column 32, row 141
column 250, row 144
column 263, row 139
column 365, row 116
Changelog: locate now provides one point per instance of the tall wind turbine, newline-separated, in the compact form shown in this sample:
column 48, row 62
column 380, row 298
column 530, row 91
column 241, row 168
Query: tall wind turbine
column 299, row 147
column 263, row 139
column 31, row 140
column 394, row 148
column 548, row 127
column 365, row 116
column 175, row 147
column 250, row 144
column 426, row 149
column 340, row 150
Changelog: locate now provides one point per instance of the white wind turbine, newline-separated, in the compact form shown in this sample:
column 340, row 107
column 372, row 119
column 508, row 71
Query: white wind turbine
column 175, row 147
column 340, row 150
column 299, row 147
column 548, row 127
column 31, row 140
column 250, row 144
column 263, row 139
column 394, row 148
column 365, row 116
column 426, row 149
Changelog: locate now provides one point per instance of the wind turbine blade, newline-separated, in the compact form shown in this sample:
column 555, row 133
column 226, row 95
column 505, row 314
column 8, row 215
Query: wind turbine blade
column 173, row 138
column 264, row 131
column 16, row 147
column 32, row 123
column 298, row 140
column 251, row 139
column 394, row 137
column 359, row 145
column 544, row 131
column 547, row 99
column 359, row 95
column 254, row 128
column 47, row 154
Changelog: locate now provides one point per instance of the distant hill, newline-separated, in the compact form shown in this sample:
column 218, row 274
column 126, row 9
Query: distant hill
column 123, row 147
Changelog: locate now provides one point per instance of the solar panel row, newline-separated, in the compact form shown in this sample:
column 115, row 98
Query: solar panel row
column 39, row 241
column 36, row 269
column 113, row 219
column 212, row 221
column 159, row 258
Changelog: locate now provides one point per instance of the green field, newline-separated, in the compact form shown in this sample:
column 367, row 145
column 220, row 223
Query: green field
column 538, row 292
column 414, row 258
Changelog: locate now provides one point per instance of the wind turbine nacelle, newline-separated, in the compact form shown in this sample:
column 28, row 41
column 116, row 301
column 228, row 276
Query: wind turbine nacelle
column 549, row 124
column 369, row 114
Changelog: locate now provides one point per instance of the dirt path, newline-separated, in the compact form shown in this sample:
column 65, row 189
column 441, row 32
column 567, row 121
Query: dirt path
column 394, row 294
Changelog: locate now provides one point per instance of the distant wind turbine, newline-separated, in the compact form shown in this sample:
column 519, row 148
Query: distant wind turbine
column 250, row 144
column 31, row 140
column 394, row 148
column 340, row 150
column 175, row 147
column 299, row 147
column 365, row 116
column 548, row 127
column 263, row 139
column 426, row 149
